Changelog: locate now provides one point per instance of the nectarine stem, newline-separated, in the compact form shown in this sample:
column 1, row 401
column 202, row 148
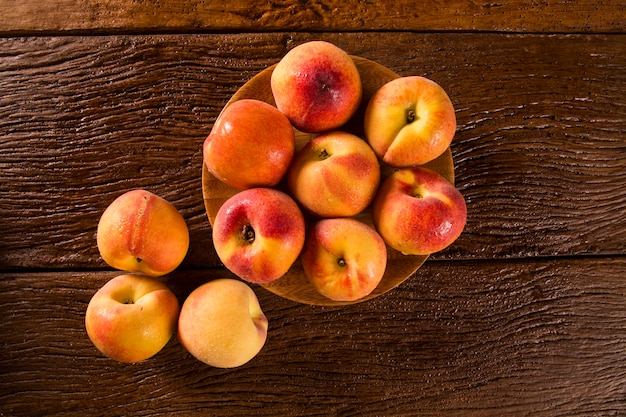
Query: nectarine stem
column 410, row 115
column 247, row 233
column 341, row 262
column 417, row 192
column 323, row 154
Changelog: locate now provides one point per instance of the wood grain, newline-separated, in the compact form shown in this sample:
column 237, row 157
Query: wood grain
column 125, row 16
column 539, row 152
column 518, row 337
column 524, row 315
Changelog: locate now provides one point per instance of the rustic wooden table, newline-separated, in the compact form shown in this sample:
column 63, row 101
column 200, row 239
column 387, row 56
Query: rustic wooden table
column 524, row 315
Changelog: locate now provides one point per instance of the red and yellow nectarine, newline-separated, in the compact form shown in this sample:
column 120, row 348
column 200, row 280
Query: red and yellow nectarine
column 131, row 317
column 335, row 174
column 142, row 232
column 344, row 259
column 409, row 121
column 258, row 234
column 418, row 212
column 250, row 145
column 317, row 86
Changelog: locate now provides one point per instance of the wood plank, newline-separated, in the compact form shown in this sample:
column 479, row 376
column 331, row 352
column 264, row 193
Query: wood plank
column 540, row 149
column 116, row 16
column 475, row 338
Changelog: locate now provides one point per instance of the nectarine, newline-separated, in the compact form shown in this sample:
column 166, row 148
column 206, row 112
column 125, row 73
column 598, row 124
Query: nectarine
column 336, row 174
column 344, row 259
column 250, row 145
column 258, row 234
column 418, row 212
column 142, row 232
column 222, row 324
column 409, row 121
column 317, row 86
column 131, row 317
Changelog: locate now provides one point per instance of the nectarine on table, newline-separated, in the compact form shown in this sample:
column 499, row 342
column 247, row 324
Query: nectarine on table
column 131, row 317
column 222, row 324
column 142, row 232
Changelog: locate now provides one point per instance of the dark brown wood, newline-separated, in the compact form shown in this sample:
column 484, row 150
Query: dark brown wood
column 62, row 16
column 523, row 337
column 524, row 315
column 539, row 153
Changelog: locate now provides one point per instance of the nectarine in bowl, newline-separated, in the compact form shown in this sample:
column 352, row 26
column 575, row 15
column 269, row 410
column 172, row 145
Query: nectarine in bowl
column 294, row 285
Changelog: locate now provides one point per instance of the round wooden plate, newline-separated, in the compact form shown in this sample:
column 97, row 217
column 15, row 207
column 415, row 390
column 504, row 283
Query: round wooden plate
column 294, row 285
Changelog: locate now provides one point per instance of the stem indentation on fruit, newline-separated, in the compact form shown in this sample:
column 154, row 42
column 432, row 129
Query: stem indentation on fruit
column 410, row 115
column 247, row 233
column 323, row 154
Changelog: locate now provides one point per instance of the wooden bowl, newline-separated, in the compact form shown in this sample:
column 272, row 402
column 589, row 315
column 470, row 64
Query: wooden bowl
column 294, row 285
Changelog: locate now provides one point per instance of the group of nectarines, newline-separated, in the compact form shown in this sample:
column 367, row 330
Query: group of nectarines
column 134, row 315
column 303, row 203
column 290, row 204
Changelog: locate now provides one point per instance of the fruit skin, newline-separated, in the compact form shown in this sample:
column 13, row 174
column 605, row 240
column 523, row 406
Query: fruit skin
column 131, row 317
column 335, row 174
column 250, row 145
column 258, row 234
column 317, row 86
column 142, row 232
column 418, row 212
column 344, row 259
column 400, row 142
column 221, row 323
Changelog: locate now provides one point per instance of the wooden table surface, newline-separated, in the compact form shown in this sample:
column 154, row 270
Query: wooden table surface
column 524, row 315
